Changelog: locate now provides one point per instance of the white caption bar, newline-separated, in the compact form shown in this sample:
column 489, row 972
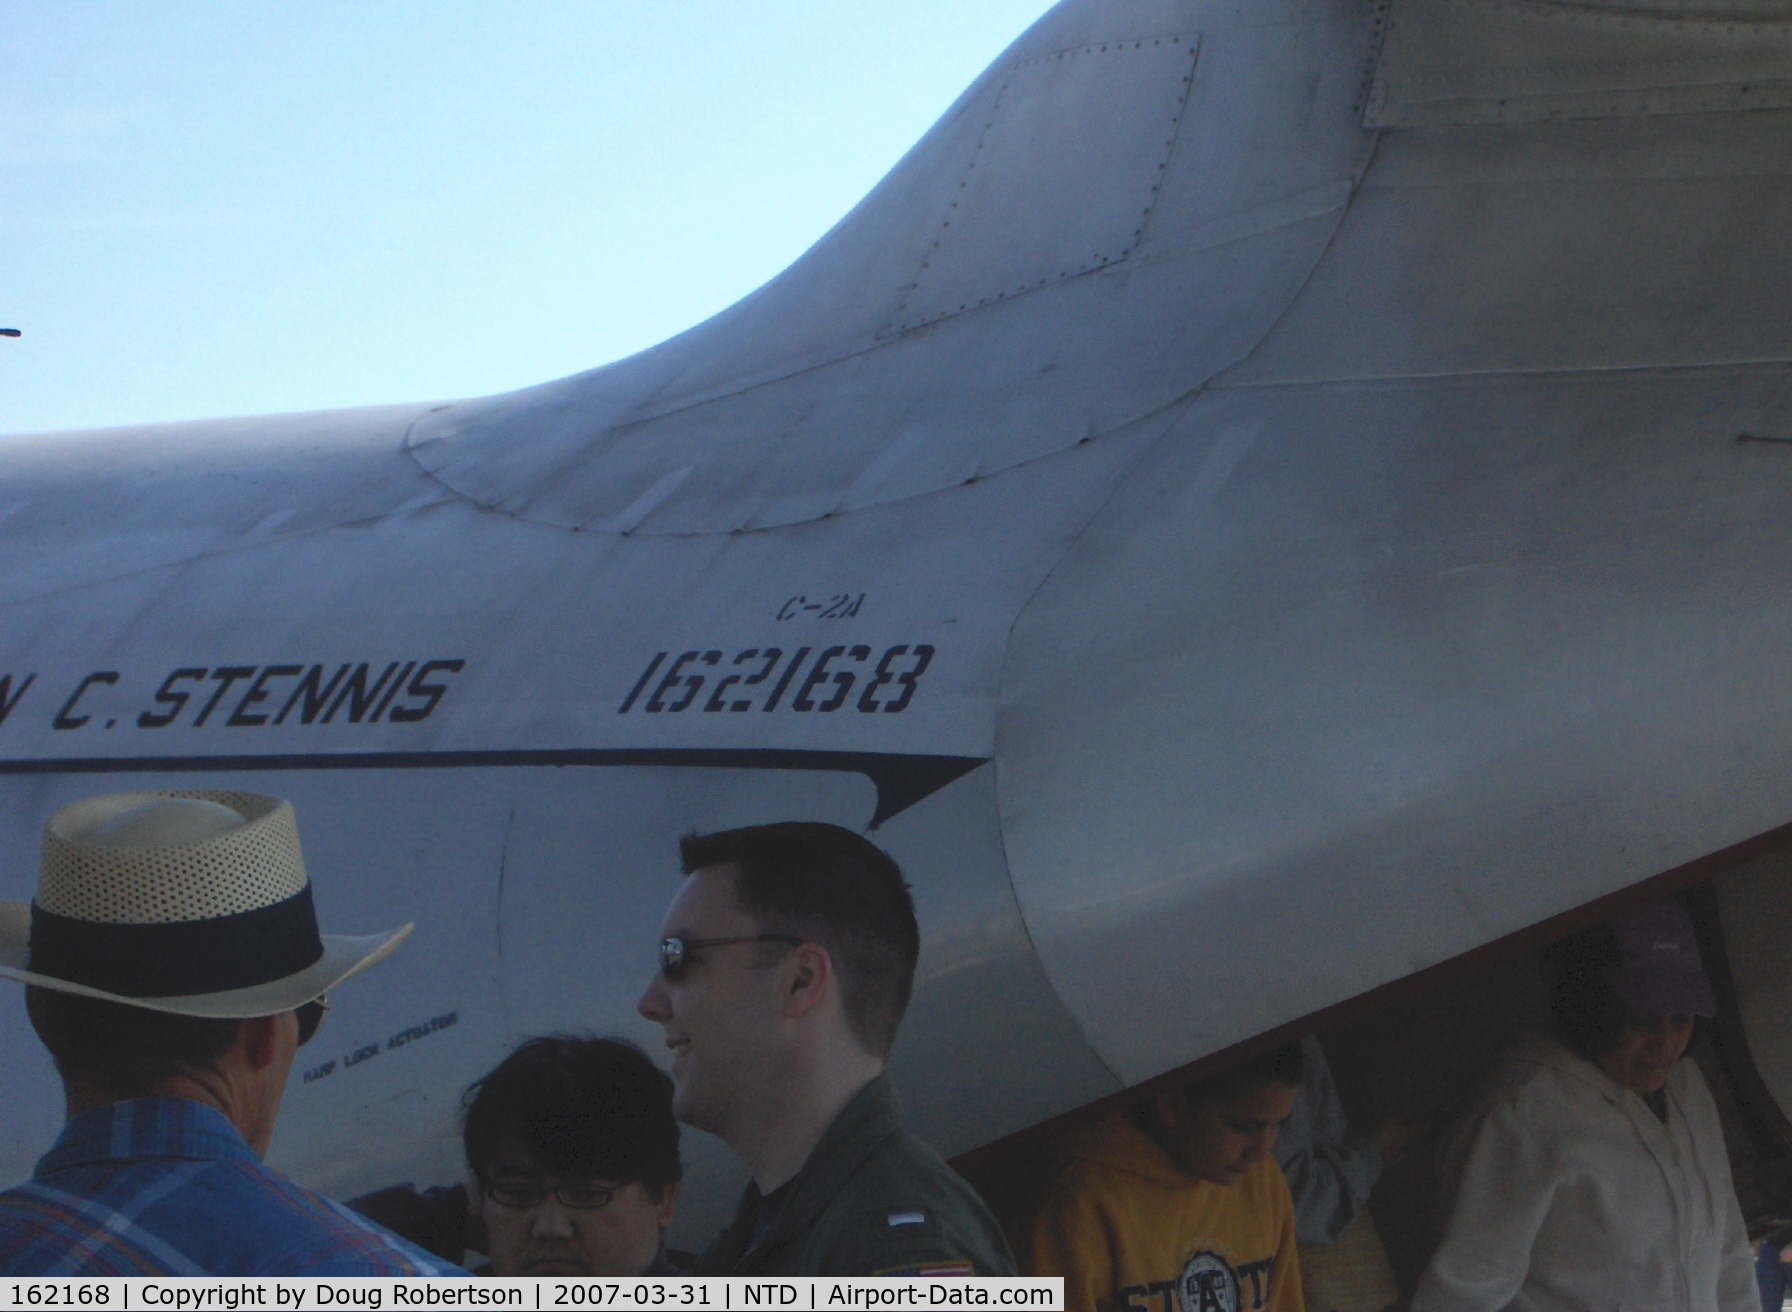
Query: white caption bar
column 700, row 1294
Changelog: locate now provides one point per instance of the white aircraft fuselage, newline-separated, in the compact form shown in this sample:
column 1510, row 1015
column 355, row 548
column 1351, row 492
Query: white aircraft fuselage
column 1262, row 500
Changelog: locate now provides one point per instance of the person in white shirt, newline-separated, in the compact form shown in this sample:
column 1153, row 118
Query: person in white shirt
column 1592, row 1173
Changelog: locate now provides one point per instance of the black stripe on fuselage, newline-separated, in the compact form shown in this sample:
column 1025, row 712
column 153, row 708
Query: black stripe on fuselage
column 901, row 779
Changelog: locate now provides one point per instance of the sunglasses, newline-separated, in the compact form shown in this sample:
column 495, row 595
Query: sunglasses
column 311, row 1015
column 674, row 965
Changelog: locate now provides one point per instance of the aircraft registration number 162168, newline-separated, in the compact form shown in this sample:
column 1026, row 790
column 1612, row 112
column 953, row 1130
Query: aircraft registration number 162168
column 745, row 681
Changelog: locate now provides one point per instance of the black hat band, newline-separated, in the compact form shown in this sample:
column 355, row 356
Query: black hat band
column 180, row 958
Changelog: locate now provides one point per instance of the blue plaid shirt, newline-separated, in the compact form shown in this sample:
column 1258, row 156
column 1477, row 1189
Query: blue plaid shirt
column 167, row 1186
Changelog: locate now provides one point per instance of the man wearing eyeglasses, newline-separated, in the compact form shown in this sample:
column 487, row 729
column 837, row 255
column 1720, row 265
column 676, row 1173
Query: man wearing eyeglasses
column 574, row 1151
column 786, row 963
column 173, row 967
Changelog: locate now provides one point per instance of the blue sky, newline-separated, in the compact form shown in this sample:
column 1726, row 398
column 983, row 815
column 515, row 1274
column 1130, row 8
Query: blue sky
column 217, row 207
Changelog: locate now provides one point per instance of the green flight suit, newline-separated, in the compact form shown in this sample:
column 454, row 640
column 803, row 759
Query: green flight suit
column 871, row 1200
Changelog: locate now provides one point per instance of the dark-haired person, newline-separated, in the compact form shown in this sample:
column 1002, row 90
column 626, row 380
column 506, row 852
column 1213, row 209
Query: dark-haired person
column 574, row 1150
column 1179, row 1203
column 1592, row 1174
column 173, row 967
column 573, row 1153
column 786, row 962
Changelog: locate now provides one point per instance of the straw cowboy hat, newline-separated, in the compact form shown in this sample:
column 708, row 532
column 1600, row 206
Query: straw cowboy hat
column 195, row 903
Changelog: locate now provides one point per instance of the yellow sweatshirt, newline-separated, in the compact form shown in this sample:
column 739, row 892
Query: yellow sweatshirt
column 1130, row 1231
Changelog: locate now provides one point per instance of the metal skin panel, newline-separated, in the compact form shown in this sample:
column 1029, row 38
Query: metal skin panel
column 1362, row 567
column 1402, row 667
column 1028, row 212
column 1161, row 194
column 1525, row 61
column 1643, row 243
column 81, row 508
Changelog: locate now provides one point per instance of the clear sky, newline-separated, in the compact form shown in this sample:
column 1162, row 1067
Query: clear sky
column 220, row 207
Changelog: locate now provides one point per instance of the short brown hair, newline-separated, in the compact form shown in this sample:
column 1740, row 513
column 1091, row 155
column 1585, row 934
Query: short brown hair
column 836, row 888
column 121, row 1049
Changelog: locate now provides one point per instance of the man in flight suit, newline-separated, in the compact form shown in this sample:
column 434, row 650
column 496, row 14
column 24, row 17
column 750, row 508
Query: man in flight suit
column 786, row 962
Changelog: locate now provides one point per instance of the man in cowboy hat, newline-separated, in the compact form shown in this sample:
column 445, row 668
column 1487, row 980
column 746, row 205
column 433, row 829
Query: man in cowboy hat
column 173, row 967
